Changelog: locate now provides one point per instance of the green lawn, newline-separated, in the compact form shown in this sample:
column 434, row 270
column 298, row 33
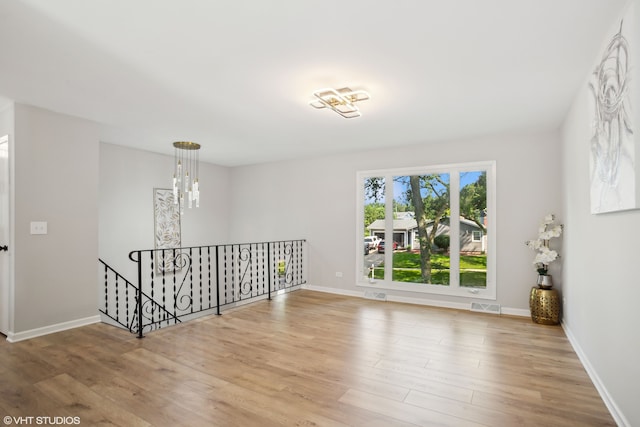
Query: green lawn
column 406, row 268
column 439, row 261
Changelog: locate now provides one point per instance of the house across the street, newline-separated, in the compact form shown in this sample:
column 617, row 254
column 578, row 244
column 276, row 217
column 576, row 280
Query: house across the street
column 405, row 232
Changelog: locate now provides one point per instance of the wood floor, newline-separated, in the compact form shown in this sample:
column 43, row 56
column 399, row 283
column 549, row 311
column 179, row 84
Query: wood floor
column 307, row 359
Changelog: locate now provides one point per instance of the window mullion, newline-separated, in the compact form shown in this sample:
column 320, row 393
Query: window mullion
column 388, row 229
column 454, row 229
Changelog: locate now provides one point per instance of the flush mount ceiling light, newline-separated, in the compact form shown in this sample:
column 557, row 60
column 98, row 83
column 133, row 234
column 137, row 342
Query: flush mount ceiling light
column 342, row 101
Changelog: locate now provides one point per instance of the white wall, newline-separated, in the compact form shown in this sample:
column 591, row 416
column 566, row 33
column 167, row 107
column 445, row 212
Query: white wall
column 127, row 179
column 315, row 199
column 6, row 119
column 601, row 285
column 56, row 180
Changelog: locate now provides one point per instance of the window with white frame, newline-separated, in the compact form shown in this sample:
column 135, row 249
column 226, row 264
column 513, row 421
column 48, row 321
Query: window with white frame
column 438, row 229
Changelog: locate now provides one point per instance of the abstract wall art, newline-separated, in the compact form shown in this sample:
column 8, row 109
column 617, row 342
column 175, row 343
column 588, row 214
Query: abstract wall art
column 166, row 228
column 612, row 160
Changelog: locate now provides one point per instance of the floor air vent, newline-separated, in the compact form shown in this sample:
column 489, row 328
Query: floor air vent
column 378, row 296
column 485, row 308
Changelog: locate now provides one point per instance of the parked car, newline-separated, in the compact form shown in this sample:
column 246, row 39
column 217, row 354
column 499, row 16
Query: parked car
column 381, row 246
column 373, row 241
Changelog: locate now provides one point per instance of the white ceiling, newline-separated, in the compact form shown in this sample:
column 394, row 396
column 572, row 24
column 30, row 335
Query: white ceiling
column 237, row 76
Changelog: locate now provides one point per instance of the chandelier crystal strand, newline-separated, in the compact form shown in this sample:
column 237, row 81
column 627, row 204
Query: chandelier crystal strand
column 196, row 185
column 177, row 175
column 186, row 188
column 187, row 183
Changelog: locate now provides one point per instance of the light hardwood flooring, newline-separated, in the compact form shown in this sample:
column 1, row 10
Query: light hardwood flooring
column 307, row 359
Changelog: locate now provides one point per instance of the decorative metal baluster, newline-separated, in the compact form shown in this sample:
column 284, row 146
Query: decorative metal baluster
column 277, row 269
column 209, row 275
column 253, row 285
column 175, row 288
column 217, row 282
column 293, row 263
column 245, row 272
column 200, row 274
column 248, row 269
column 233, row 275
column 151, row 261
column 238, row 275
column 139, row 291
column 263, row 270
column 106, row 290
column 117, row 302
column 225, row 275
column 298, row 263
column 126, row 297
column 191, row 278
column 270, row 269
column 163, row 270
column 294, row 267
column 285, row 257
column 288, row 277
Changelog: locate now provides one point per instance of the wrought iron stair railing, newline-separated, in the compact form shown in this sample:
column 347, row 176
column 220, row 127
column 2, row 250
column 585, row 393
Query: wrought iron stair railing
column 177, row 284
column 120, row 302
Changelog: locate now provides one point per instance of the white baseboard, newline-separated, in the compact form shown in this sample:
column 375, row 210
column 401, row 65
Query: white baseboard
column 617, row 415
column 332, row 290
column 418, row 301
column 522, row 312
column 45, row 330
column 429, row 302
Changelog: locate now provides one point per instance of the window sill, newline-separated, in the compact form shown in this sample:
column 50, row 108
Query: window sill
column 461, row 292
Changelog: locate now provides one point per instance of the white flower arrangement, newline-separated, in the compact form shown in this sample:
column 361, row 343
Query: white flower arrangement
column 545, row 256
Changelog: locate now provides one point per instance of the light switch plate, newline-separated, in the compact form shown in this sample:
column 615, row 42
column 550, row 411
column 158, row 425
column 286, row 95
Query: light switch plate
column 38, row 227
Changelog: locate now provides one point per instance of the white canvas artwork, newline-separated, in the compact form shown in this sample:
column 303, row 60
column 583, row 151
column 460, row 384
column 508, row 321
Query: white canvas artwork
column 167, row 228
column 612, row 146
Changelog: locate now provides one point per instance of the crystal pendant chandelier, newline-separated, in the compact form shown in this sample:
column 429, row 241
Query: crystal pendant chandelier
column 186, row 188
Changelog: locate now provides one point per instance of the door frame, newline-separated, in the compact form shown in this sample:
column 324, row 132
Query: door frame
column 6, row 259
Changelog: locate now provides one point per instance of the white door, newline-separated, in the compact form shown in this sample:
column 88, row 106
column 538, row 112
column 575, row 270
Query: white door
column 4, row 236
